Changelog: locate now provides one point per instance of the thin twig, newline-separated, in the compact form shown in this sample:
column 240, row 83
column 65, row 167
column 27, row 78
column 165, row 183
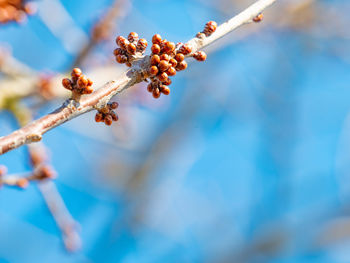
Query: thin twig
column 70, row 109
column 103, row 29
column 43, row 173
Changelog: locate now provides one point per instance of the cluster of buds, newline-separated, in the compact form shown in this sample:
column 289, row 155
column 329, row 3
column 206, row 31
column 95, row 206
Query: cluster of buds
column 129, row 49
column 258, row 18
column 107, row 114
column 14, row 10
column 209, row 29
column 166, row 59
column 79, row 84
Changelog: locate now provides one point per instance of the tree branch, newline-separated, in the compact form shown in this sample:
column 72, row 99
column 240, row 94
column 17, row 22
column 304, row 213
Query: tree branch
column 138, row 72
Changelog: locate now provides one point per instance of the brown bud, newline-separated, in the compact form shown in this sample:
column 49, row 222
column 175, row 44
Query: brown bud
column 104, row 110
column 82, row 82
column 165, row 57
column 119, row 39
column 200, row 56
column 113, row 105
column 67, row 83
column 169, row 47
column 88, row 90
column 153, row 70
column 155, row 59
column 200, row 35
column 131, row 48
column 128, row 64
column 155, row 49
column 121, row 59
column 163, row 65
column 114, row 116
column 167, row 82
column 258, row 18
column 173, row 62
column 179, row 57
column 108, row 120
column 123, row 43
column 142, row 45
column 181, row 66
column 185, row 49
column 98, row 117
column 156, row 93
column 118, row 51
column 165, row 90
column 171, row 71
column 156, row 39
column 76, row 72
column 210, row 28
column 133, row 37
column 162, row 77
column 150, row 87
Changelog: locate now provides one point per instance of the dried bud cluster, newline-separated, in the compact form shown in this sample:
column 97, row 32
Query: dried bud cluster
column 130, row 48
column 258, row 18
column 106, row 114
column 14, row 10
column 79, row 84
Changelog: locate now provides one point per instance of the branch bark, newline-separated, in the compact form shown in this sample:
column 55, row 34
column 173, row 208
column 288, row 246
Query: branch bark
column 70, row 109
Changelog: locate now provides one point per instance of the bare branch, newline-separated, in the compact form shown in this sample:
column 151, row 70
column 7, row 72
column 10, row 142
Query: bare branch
column 70, row 109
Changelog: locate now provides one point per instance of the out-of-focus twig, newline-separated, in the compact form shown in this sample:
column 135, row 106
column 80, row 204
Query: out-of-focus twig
column 62, row 25
column 68, row 226
column 42, row 173
column 103, row 29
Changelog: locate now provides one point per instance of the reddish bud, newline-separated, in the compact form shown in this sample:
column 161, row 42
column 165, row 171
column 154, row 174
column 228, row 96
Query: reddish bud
column 171, row 71
column 131, row 48
column 67, row 83
column 155, row 59
column 156, row 93
column 165, row 57
column 163, row 65
column 155, row 49
column 108, row 120
column 173, row 62
column 163, row 77
column 142, row 45
column 156, row 39
column 133, row 37
column 153, row 70
column 200, row 56
column 258, row 18
column 185, row 49
column 165, row 90
column 98, row 117
column 179, row 57
column 181, row 66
